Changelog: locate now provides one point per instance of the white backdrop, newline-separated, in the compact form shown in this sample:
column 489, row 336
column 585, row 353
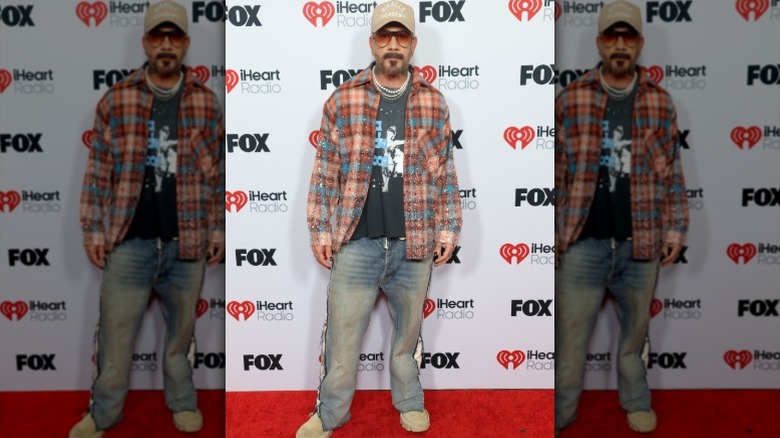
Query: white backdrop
column 715, row 322
column 276, row 307
column 49, row 292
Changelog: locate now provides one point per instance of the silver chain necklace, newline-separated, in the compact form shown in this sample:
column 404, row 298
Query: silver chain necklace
column 617, row 94
column 388, row 94
column 163, row 93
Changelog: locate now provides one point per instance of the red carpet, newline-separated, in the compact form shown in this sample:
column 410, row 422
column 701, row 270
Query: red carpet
column 472, row 413
column 455, row 414
column 688, row 414
column 52, row 414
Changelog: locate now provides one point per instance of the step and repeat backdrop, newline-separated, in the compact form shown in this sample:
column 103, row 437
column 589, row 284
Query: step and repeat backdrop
column 57, row 59
column 715, row 317
column 489, row 314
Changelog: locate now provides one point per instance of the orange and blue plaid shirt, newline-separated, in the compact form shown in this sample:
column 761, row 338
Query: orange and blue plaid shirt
column 659, row 205
column 342, row 167
column 114, row 174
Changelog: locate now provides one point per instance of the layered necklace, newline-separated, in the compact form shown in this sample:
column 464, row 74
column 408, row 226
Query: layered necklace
column 163, row 93
column 388, row 94
column 617, row 93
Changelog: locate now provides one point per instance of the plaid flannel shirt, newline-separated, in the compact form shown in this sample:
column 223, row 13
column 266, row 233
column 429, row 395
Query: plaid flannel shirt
column 117, row 158
column 342, row 166
column 659, row 206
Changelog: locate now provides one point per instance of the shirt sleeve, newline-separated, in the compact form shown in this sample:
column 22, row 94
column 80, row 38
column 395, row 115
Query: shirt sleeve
column 449, row 216
column 97, row 187
column 324, row 187
column 675, row 203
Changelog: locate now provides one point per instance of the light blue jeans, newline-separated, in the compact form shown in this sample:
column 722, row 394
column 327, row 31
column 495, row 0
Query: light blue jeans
column 132, row 270
column 586, row 271
column 360, row 269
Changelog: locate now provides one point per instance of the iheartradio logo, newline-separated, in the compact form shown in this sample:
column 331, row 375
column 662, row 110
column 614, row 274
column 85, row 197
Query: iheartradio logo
column 238, row 308
column 530, row 7
column 11, row 308
column 655, row 307
column 517, row 252
column 737, row 358
column 746, row 137
column 655, row 72
column 736, row 251
column 428, row 72
column 202, row 307
column 558, row 10
column 231, row 79
column 324, row 10
column 757, row 7
column 314, row 138
column 97, row 10
column 514, row 358
column 428, row 307
column 5, row 79
column 237, row 199
column 9, row 200
column 524, row 135
column 89, row 137
column 201, row 72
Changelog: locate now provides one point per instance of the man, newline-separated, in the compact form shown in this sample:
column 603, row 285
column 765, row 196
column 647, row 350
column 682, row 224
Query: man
column 155, row 172
column 382, row 239
column 621, row 210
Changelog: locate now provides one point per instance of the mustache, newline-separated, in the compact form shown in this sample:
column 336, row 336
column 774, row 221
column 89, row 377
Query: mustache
column 393, row 55
column 166, row 56
column 620, row 56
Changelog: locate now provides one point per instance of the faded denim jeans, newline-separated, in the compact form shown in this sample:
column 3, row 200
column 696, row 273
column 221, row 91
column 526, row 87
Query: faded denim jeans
column 132, row 270
column 360, row 270
column 586, row 271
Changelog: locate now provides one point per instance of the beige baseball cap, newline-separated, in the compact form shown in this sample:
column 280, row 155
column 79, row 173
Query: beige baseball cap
column 620, row 12
column 392, row 12
column 166, row 11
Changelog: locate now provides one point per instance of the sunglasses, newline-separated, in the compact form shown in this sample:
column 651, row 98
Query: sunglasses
column 157, row 36
column 610, row 37
column 382, row 38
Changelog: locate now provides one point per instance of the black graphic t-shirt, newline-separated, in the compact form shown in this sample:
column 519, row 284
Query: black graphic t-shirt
column 155, row 215
column 610, row 212
column 383, row 213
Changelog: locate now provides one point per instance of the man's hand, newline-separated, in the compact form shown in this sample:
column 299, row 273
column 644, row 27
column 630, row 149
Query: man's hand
column 323, row 254
column 216, row 253
column 443, row 253
column 670, row 252
column 96, row 254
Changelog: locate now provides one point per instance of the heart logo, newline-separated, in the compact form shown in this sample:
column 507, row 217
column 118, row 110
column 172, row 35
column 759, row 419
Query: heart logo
column 746, row 252
column 324, row 10
column 231, row 79
column 11, row 308
column 655, row 72
column 202, row 307
column 89, row 137
column 655, row 307
column 506, row 357
column 530, row 7
column 746, row 136
column 314, row 138
column 239, row 308
column 428, row 73
column 9, row 199
column 524, row 135
column 97, row 10
column 518, row 252
column 5, row 79
column 201, row 72
column 734, row 358
column 428, row 307
column 237, row 199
